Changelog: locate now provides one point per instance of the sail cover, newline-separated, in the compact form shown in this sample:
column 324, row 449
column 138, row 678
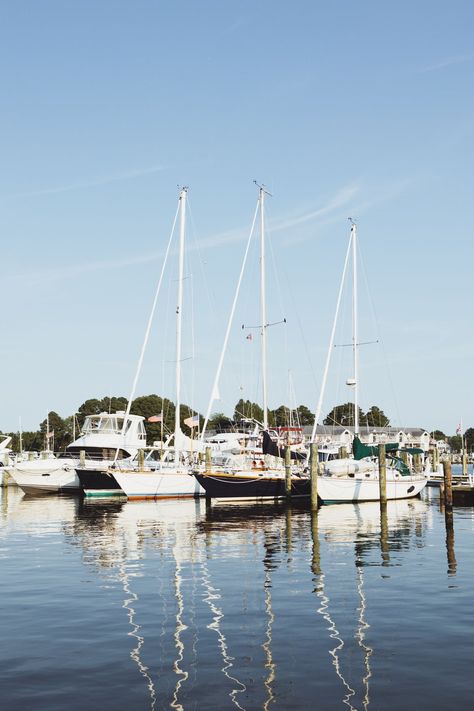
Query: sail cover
column 364, row 450
column 271, row 447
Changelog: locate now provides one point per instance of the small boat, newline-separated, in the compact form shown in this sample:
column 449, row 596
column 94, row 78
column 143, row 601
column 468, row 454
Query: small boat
column 101, row 437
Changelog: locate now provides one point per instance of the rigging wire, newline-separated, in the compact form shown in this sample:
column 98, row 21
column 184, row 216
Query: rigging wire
column 381, row 341
column 147, row 332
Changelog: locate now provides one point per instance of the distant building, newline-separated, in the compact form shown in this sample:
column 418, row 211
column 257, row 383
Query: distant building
column 338, row 436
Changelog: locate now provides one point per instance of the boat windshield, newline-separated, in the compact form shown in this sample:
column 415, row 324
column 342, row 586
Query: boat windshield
column 101, row 424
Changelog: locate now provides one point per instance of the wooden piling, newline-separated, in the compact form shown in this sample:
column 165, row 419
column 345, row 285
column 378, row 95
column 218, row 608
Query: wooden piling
column 382, row 474
column 313, row 462
column 417, row 463
column 464, row 464
column 82, row 458
column 448, row 483
column 342, row 452
column 316, row 555
column 288, row 472
column 384, row 545
column 452, row 564
column 208, row 464
column 141, row 459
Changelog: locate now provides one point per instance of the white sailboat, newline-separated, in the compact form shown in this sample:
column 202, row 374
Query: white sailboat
column 357, row 478
column 171, row 478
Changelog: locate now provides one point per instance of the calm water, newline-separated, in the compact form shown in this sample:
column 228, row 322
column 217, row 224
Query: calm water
column 171, row 605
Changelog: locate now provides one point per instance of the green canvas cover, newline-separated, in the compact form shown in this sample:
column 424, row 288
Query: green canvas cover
column 361, row 451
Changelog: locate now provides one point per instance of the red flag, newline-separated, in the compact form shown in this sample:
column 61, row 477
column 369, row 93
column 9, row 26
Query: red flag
column 156, row 418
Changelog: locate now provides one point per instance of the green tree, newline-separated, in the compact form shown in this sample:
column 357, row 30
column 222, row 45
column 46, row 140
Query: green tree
column 455, row 443
column 375, row 417
column 58, row 428
column 437, row 435
column 219, row 422
column 469, row 439
column 305, row 416
column 95, row 406
column 247, row 409
column 31, row 441
column 343, row 416
column 150, row 405
column 281, row 416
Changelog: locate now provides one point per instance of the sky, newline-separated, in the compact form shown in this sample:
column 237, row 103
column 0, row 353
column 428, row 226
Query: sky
column 362, row 109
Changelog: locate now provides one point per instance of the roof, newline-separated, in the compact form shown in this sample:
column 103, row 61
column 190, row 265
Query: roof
column 334, row 430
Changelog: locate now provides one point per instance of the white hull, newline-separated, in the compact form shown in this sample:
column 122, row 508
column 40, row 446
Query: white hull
column 46, row 475
column 333, row 489
column 158, row 485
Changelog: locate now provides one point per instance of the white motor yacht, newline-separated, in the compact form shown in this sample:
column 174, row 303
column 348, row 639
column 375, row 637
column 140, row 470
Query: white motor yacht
column 100, row 438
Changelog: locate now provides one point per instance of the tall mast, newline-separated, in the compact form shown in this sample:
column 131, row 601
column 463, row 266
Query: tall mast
column 263, row 308
column 354, row 327
column 179, row 308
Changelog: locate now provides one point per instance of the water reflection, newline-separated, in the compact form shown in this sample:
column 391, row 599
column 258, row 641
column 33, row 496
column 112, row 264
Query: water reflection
column 236, row 606
column 366, row 526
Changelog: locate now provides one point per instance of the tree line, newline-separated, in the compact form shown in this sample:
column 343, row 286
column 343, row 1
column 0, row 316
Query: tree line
column 151, row 405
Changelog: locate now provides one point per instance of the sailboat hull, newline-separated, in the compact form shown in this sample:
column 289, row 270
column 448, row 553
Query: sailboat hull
column 46, row 476
column 97, row 482
column 240, row 486
column 346, row 489
column 158, row 484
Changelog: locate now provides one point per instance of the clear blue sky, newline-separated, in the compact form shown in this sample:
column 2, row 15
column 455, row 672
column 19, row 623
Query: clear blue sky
column 343, row 108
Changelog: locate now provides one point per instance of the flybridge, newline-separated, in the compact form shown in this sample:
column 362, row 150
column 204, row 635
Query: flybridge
column 108, row 424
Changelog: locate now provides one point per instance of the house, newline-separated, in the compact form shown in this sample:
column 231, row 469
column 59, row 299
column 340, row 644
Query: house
column 338, row 436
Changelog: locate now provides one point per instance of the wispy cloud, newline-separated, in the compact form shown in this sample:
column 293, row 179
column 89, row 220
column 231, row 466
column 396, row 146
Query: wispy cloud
column 333, row 210
column 353, row 199
column 343, row 197
column 91, row 183
column 449, row 61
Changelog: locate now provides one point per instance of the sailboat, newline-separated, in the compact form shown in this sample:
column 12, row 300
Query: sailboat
column 357, row 478
column 239, row 476
column 171, row 478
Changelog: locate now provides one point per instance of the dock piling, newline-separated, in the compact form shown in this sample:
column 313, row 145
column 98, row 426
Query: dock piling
column 288, row 472
column 448, row 483
column 382, row 475
column 314, row 475
column 208, row 460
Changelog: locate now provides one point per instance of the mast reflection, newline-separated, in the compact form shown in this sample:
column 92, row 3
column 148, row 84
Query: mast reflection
column 366, row 527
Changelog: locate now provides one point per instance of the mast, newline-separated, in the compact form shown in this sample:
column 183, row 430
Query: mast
column 179, row 308
column 355, row 327
column 263, row 307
